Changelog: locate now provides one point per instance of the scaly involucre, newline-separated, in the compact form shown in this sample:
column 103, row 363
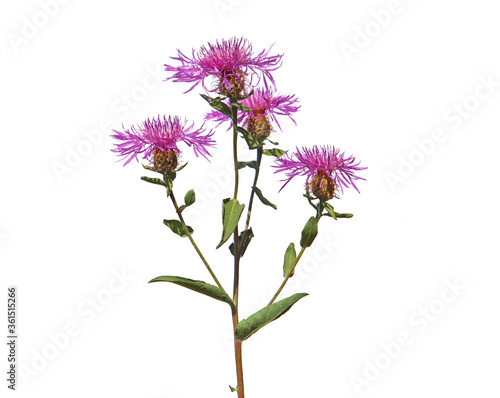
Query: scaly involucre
column 230, row 62
column 325, row 162
column 162, row 134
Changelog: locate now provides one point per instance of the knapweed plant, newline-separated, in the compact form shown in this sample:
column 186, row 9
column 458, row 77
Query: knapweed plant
column 238, row 85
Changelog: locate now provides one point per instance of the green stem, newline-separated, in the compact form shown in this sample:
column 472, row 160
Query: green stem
column 292, row 269
column 237, row 255
column 252, row 194
column 181, row 219
column 234, row 112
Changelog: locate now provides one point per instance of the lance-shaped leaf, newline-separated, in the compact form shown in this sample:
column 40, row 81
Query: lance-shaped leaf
column 263, row 199
column 289, row 261
column 156, row 181
column 190, row 197
column 344, row 215
column 274, row 152
column 231, row 213
column 332, row 213
column 329, row 209
column 243, row 245
column 252, row 164
column 310, row 200
column 150, row 168
column 309, row 232
column 239, row 105
column 261, row 318
column 217, row 103
column 184, row 165
column 252, row 142
column 198, row 286
column 242, row 97
column 177, row 227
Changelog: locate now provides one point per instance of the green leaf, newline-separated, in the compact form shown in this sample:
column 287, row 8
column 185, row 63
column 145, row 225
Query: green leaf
column 218, row 104
column 241, row 106
column 310, row 199
column 242, row 97
column 332, row 213
column 177, row 227
column 274, row 152
column 156, row 181
column 329, row 209
column 309, row 232
column 344, row 215
column 243, row 245
column 190, row 197
column 263, row 199
column 252, row 142
column 261, row 318
column 198, row 286
column 150, row 168
column 233, row 389
column 184, row 165
column 231, row 213
column 290, row 257
column 272, row 142
column 252, row 164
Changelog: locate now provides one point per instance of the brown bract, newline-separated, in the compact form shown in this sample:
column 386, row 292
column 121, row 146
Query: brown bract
column 260, row 127
column 165, row 162
column 322, row 186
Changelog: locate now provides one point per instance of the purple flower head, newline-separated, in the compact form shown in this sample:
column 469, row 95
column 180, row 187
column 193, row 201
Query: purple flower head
column 157, row 140
column 327, row 170
column 230, row 62
column 265, row 104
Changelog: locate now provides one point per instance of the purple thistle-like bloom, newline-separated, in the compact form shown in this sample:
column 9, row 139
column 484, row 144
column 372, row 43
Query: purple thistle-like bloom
column 327, row 170
column 265, row 104
column 231, row 62
column 156, row 140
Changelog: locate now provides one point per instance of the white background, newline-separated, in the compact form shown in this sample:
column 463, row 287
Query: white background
column 65, row 235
